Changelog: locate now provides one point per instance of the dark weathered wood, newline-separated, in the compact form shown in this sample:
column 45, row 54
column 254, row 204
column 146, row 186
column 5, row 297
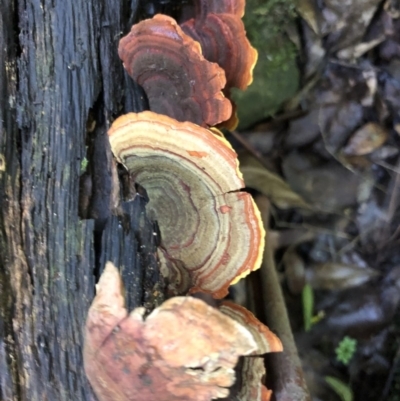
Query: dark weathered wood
column 61, row 85
column 129, row 241
column 59, row 72
column 17, row 276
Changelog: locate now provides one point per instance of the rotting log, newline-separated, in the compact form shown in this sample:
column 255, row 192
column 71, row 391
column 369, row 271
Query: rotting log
column 61, row 84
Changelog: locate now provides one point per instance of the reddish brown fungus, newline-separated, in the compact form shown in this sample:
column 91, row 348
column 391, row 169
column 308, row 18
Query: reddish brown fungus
column 223, row 40
column 201, row 8
column 184, row 350
column 266, row 340
column 251, row 370
column 179, row 82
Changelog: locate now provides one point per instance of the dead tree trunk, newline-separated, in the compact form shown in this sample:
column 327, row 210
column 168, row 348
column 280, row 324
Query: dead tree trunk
column 61, row 84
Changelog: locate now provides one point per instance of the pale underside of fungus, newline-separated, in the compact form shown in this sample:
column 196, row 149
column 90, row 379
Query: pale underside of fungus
column 184, row 350
column 211, row 230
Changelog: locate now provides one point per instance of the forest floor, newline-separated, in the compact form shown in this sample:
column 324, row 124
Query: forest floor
column 322, row 139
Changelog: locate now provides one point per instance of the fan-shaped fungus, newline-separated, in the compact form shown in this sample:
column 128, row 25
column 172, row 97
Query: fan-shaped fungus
column 266, row 340
column 211, row 231
column 202, row 7
column 250, row 373
column 223, row 40
column 235, row 7
column 178, row 80
column 184, row 350
column 251, row 370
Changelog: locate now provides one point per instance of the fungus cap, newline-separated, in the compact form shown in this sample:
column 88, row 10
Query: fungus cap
column 235, row 7
column 266, row 340
column 250, row 371
column 201, row 7
column 223, row 41
column 250, row 374
column 178, row 80
column 211, row 231
column 184, row 350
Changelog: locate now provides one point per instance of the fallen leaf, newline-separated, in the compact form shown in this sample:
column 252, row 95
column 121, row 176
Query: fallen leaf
column 384, row 152
column 347, row 21
column 321, row 185
column 294, row 271
column 354, row 52
column 365, row 140
column 270, row 184
column 338, row 276
column 309, row 12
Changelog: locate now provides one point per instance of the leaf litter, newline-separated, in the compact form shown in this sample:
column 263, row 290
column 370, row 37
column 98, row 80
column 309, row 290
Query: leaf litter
column 329, row 164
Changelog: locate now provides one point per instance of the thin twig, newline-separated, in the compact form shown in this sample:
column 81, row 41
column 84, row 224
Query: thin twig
column 250, row 148
column 286, row 372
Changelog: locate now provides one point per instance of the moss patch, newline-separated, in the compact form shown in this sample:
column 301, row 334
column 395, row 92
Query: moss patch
column 276, row 76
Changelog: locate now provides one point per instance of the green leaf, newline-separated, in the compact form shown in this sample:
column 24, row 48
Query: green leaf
column 308, row 306
column 340, row 388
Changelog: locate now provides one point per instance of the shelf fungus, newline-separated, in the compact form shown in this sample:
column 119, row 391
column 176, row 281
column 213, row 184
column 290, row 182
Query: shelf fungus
column 266, row 340
column 211, row 231
column 179, row 82
column 222, row 37
column 184, row 350
column 250, row 371
column 199, row 7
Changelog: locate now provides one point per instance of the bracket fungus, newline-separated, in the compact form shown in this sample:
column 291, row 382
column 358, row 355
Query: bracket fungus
column 211, row 231
column 266, row 340
column 201, row 7
column 250, row 373
column 217, row 26
column 235, row 7
column 223, row 41
column 179, row 82
column 184, row 350
column 251, row 370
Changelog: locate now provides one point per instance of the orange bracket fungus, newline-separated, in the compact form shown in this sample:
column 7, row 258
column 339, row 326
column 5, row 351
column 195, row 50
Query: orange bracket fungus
column 266, row 340
column 251, row 370
column 223, row 41
column 211, row 231
column 184, row 350
column 179, row 82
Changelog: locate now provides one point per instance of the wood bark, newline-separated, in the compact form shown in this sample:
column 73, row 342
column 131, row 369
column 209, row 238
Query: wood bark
column 61, row 84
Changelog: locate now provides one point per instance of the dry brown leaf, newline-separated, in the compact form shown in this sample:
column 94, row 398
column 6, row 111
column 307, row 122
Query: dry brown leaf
column 309, row 12
column 354, row 52
column 294, row 271
column 365, row 140
column 338, row 276
column 270, row 184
